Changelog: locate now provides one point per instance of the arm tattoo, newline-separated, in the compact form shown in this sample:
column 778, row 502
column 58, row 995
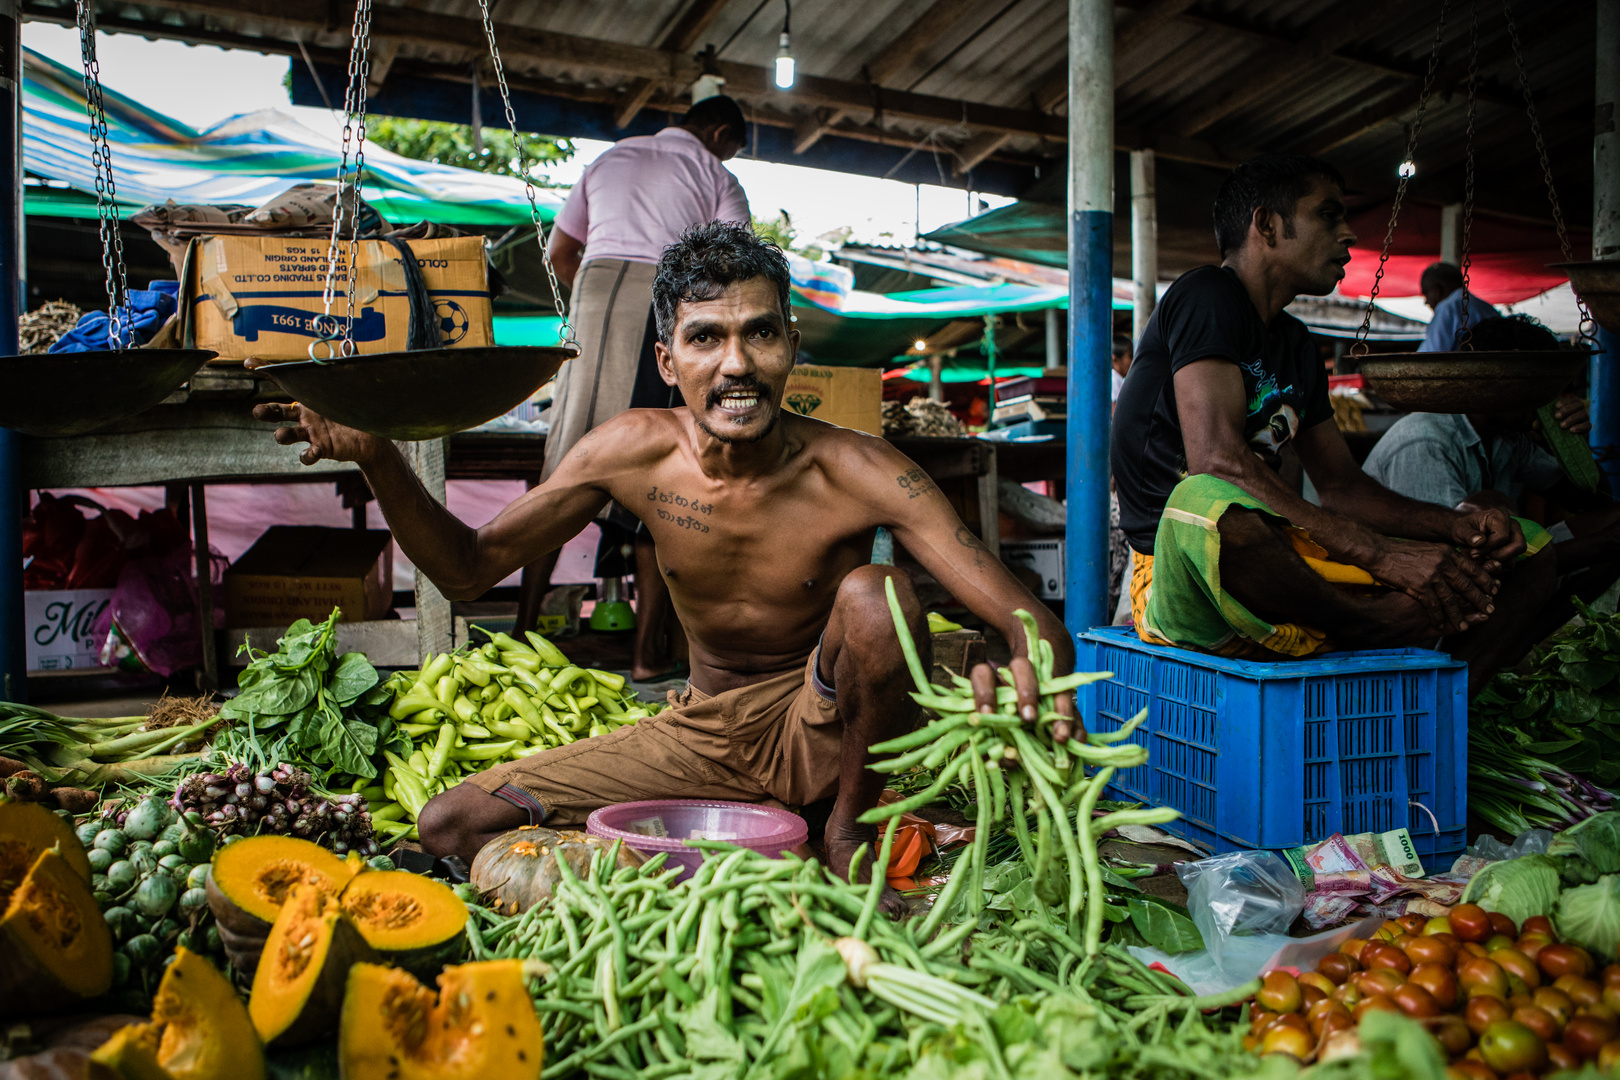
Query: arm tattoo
column 916, row 482
column 965, row 537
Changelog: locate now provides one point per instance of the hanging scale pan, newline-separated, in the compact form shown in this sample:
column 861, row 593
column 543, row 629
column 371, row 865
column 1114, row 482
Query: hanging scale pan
column 1597, row 285
column 1470, row 382
column 422, row 393
column 75, row 393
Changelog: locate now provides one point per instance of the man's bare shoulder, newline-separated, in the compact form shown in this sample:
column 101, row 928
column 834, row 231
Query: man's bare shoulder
column 634, row 438
column 854, row 459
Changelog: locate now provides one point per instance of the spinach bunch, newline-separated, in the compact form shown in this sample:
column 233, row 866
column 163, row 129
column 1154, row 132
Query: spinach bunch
column 327, row 711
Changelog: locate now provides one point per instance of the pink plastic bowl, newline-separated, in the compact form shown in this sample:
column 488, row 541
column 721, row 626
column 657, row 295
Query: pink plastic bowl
column 666, row 824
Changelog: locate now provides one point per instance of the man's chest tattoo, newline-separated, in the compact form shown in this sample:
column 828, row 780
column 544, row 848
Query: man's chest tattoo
column 679, row 510
column 915, row 483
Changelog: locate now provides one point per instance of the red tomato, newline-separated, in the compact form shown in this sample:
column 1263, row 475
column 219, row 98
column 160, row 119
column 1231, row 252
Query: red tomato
column 1503, row 925
column 1470, row 922
column 1559, row 960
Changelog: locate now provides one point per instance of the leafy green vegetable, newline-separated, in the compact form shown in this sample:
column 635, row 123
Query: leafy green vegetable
column 1518, row 888
column 1163, row 927
column 1595, row 841
column 1589, row 915
column 306, row 703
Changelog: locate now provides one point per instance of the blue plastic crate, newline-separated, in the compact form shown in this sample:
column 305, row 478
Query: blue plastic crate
column 1274, row 755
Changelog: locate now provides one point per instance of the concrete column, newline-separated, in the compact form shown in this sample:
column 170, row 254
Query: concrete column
column 1144, row 239
column 435, row 630
column 1605, row 380
column 936, row 378
column 1091, row 266
column 13, row 661
column 1054, row 340
column 1451, row 234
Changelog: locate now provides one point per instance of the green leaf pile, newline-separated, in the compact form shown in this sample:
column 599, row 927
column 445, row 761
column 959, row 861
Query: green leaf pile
column 324, row 710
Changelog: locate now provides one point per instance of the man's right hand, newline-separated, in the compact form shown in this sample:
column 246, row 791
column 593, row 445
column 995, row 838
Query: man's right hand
column 1451, row 585
column 328, row 440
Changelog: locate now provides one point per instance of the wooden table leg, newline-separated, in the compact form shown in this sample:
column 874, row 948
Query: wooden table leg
column 205, row 588
column 435, row 630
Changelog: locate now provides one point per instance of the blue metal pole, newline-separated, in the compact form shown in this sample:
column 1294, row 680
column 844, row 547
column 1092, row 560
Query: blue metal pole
column 1091, row 308
column 13, row 665
column 1604, row 390
column 1605, row 386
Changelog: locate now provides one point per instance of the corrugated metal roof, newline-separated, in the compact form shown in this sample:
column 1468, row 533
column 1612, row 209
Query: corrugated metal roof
column 1002, row 52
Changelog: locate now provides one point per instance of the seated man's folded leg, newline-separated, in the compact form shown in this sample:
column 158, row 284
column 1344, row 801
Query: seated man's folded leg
column 1228, row 578
column 646, row 760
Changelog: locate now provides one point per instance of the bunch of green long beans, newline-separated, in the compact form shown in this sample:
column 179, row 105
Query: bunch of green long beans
column 1017, row 771
column 757, row 962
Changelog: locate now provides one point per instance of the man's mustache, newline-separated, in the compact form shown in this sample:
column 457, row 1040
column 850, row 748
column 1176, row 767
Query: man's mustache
column 735, row 387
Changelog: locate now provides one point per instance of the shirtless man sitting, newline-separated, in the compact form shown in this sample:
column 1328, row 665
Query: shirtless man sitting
column 764, row 522
column 1229, row 557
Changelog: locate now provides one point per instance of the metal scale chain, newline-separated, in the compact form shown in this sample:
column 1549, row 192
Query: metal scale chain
column 112, row 240
column 1588, row 328
column 1465, row 333
column 1359, row 349
column 567, row 335
column 341, row 342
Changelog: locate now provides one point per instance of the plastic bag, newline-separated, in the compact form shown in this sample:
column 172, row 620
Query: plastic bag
column 152, row 624
column 1238, row 895
column 1529, row 842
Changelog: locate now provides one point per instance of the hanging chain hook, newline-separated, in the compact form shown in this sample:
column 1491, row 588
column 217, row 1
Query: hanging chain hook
column 1588, row 327
column 1359, row 349
column 112, row 239
column 335, row 337
column 566, row 335
column 1464, row 341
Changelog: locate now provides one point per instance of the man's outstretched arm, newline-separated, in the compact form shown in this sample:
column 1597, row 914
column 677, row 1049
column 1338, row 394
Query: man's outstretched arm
column 461, row 561
column 911, row 506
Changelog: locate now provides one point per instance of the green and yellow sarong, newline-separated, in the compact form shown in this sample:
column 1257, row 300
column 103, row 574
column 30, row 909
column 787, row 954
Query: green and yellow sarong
column 1176, row 593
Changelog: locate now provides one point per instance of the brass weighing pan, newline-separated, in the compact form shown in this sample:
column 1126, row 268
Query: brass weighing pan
column 426, row 394
column 75, row 393
column 1597, row 284
column 1470, row 382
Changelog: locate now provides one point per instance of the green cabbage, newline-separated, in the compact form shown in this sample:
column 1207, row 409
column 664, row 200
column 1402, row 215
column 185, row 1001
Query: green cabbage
column 1595, row 841
column 1518, row 888
column 1589, row 916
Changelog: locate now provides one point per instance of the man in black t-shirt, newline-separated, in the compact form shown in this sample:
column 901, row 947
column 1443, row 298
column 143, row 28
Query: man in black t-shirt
column 1228, row 557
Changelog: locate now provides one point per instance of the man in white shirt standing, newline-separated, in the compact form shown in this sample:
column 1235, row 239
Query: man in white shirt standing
column 631, row 203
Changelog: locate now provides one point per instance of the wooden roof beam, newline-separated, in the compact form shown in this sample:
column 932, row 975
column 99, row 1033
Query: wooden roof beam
column 924, row 30
column 976, row 149
column 1275, row 69
column 684, row 35
column 1447, row 78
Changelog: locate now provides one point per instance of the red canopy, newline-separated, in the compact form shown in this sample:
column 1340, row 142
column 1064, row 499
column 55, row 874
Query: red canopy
column 1507, row 263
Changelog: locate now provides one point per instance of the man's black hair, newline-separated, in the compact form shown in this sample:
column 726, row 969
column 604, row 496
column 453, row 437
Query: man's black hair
column 1440, row 277
column 1122, row 343
column 706, row 259
column 1274, row 181
column 717, row 110
column 1508, row 333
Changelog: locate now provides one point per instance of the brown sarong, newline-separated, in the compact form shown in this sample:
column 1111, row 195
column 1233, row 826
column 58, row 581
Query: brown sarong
column 775, row 741
column 616, row 368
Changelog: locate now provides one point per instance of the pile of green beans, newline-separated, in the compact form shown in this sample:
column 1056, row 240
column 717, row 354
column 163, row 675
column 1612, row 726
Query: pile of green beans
column 1017, row 772
column 467, row 710
column 754, row 962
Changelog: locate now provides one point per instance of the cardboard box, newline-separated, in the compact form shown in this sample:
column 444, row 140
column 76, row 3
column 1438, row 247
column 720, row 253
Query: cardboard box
column 57, row 625
column 302, row 572
column 257, row 296
column 1045, row 557
column 846, row 396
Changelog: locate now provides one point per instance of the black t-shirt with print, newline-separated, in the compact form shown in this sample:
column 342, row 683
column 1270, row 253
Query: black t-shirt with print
column 1207, row 314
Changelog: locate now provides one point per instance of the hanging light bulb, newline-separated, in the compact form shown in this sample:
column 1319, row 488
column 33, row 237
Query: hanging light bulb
column 1406, row 170
column 919, row 344
column 784, row 51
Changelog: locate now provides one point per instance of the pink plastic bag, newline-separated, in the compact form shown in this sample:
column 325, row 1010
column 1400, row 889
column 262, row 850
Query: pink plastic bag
column 151, row 623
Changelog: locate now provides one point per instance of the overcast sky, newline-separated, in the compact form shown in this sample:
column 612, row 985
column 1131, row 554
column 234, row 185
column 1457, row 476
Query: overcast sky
column 200, row 85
